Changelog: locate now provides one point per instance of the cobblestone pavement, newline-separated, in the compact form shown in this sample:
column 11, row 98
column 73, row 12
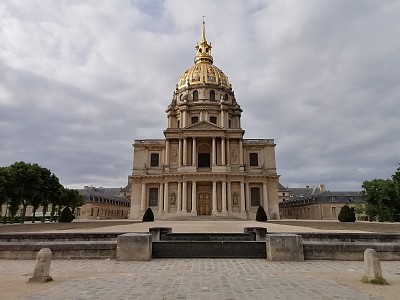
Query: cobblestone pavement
column 197, row 279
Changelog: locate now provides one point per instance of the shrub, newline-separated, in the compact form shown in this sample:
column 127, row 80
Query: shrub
column 148, row 216
column 66, row 216
column 261, row 216
column 346, row 214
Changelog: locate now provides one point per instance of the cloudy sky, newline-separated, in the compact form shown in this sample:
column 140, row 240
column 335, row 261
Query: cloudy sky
column 81, row 80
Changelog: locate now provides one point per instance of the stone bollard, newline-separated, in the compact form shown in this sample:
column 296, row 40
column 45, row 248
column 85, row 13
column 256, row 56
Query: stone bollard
column 372, row 267
column 42, row 268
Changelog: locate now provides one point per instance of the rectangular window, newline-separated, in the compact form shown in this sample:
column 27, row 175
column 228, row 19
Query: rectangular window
column 333, row 212
column 213, row 120
column 153, row 196
column 154, row 159
column 195, row 120
column 255, row 196
column 254, row 159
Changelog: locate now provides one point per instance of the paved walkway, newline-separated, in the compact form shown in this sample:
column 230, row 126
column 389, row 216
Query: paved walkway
column 197, row 279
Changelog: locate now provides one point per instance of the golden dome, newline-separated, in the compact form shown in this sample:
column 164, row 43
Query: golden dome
column 203, row 71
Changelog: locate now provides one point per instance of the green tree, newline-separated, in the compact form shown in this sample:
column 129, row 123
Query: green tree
column 70, row 198
column 53, row 192
column 359, row 209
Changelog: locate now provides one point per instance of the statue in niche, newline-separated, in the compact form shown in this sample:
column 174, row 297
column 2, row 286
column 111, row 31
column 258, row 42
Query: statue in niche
column 234, row 156
column 235, row 199
column 172, row 200
column 174, row 155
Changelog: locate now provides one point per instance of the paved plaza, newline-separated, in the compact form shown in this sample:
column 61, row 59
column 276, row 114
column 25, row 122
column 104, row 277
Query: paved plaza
column 197, row 279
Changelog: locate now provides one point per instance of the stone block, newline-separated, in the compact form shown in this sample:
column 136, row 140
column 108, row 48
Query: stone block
column 157, row 232
column 284, row 247
column 41, row 272
column 260, row 232
column 372, row 264
column 134, row 246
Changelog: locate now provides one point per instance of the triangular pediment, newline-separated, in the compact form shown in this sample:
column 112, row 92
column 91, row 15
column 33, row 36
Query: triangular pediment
column 203, row 126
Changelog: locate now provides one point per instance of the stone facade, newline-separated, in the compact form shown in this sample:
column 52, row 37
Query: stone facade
column 204, row 165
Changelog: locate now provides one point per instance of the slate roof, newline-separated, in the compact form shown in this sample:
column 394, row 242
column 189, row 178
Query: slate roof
column 106, row 193
column 326, row 197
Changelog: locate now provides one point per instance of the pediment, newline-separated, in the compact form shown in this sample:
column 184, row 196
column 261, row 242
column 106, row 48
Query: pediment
column 203, row 126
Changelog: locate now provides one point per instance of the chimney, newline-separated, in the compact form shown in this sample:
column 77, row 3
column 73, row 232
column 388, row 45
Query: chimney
column 322, row 188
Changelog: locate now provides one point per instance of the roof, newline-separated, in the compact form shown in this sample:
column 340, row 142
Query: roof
column 326, row 197
column 106, row 193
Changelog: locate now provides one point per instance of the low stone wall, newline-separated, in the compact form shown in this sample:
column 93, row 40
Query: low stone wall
column 350, row 237
column 322, row 250
column 60, row 250
column 59, row 236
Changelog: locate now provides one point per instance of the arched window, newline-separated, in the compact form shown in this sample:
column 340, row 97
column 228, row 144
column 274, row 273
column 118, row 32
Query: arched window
column 212, row 95
column 195, row 95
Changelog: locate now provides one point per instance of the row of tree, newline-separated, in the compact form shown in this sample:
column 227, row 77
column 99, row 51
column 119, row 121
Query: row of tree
column 382, row 198
column 23, row 184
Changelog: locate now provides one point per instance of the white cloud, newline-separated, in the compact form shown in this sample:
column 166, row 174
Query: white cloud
column 81, row 80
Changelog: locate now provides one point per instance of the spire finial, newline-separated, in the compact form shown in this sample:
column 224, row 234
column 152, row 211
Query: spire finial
column 203, row 32
column 203, row 50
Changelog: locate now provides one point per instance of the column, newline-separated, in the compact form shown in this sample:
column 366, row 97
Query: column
column 160, row 197
column 185, row 151
column 242, row 198
column 229, row 196
column 180, row 153
column 248, row 204
column 194, row 197
column 143, row 199
column 223, row 151
column 223, row 196
column 241, row 152
column 184, row 196
column 214, row 159
column 265, row 197
column 194, row 152
column 166, row 197
column 214, row 197
column 228, row 152
column 166, row 161
column 179, row 204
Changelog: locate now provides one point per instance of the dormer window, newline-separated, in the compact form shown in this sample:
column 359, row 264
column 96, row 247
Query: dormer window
column 195, row 120
column 212, row 95
column 195, row 95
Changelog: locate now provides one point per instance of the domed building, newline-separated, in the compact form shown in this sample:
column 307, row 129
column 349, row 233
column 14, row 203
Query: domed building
column 204, row 166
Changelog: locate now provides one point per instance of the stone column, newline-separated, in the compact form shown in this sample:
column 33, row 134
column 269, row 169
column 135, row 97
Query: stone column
column 242, row 198
column 241, row 152
column 166, row 197
column 194, row 197
column 214, row 197
column 248, row 200
column 166, row 161
column 184, row 151
column 265, row 197
column 228, row 152
column 194, row 152
column 179, row 205
column 143, row 199
column 224, row 196
column 160, row 197
column 184, row 196
column 223, row 151
column 180, row 153
column 214, row 158
column 229, row 196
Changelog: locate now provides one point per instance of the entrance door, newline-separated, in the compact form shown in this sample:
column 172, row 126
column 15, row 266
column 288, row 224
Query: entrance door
column 204, row 205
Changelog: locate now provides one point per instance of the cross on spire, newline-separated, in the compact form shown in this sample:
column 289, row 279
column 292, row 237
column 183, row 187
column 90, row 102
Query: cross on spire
column 204, row 18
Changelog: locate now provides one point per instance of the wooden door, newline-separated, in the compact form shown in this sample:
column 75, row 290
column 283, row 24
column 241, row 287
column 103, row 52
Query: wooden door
column 204, row 205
